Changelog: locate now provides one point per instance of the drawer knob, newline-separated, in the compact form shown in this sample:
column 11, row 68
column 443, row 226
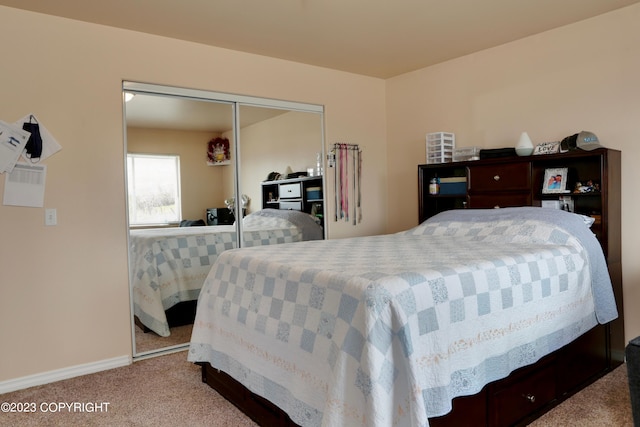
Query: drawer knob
column 530, row 398
column 496, row 178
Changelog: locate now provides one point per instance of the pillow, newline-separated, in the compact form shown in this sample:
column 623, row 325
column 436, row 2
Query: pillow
column 588, row 220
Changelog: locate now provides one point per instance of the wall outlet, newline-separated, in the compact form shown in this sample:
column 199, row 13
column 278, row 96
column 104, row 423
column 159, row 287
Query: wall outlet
column 50, row 217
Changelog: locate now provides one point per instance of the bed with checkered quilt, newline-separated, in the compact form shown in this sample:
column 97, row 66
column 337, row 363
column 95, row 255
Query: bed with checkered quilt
column 169, row 265
column 387, row 330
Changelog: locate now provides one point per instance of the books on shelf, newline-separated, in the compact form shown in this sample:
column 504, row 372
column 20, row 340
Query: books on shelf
column 455, row 185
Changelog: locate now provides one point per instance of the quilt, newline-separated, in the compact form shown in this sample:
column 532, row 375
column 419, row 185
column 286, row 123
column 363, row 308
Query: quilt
column 387, row 330
column 169, row 265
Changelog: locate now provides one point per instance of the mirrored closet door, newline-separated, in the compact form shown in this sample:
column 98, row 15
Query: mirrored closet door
column 195, row 161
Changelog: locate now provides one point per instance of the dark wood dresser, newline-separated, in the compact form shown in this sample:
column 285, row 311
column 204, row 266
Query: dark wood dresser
column 519, row 181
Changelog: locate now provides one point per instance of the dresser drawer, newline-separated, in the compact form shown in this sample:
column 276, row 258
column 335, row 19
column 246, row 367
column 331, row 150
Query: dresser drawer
column 500, row 177
column 517, row 400
column 290, row 191
column 291, row 206
column 501, row 200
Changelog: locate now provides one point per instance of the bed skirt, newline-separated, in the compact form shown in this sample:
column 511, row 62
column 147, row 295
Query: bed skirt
column 520, row 398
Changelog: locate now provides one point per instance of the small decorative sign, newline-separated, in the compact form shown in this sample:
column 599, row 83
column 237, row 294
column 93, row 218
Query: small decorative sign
column 547, row 148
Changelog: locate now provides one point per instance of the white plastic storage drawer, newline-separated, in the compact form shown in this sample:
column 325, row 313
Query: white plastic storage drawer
column 290, row 191
column 291, row 206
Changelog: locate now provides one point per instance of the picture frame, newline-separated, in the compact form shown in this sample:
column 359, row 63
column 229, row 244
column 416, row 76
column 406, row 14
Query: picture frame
column 218, row 152
column 555, row 181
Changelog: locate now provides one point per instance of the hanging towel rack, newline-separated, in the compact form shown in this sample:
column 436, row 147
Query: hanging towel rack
column 348, row 184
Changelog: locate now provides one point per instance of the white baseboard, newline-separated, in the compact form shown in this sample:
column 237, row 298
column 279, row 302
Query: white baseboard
column 63, row 374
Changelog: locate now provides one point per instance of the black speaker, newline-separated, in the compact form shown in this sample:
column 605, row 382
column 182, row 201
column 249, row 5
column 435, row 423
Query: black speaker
column 219, row 216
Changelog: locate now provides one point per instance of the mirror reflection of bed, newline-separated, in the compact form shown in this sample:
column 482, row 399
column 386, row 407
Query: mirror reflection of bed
column 168, row 262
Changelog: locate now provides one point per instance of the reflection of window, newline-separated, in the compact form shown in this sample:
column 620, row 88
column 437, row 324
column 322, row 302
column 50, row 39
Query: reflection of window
column 154, row 189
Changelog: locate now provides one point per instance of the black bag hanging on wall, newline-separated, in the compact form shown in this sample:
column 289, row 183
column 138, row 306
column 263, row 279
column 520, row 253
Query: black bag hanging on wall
column 34, row 144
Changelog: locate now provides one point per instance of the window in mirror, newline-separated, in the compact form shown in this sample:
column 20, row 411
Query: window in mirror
column 154, row 189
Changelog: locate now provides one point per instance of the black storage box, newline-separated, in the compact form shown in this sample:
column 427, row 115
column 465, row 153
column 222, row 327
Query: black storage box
column 494, row 153
column 632, row 354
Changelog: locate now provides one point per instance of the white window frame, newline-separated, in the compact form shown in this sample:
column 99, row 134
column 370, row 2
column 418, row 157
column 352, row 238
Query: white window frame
column 135, row 218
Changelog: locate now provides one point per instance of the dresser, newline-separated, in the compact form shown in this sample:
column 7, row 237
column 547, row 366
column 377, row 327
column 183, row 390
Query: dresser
column 518, row 181
column 591, row 183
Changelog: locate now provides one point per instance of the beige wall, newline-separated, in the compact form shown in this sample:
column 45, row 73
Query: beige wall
column 201, row 185
column 71, row 305
column 580, row 77
column 290, row 140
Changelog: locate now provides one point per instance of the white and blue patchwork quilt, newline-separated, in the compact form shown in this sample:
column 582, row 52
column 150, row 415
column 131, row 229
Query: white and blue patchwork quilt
column 387, row 330
column 169, row 265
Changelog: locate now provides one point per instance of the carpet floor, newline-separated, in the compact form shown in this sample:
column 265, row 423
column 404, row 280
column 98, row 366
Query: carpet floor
column 150, row 341
column 167, row 391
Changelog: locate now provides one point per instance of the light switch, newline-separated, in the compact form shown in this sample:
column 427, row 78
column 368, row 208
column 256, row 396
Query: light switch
column 50, row 217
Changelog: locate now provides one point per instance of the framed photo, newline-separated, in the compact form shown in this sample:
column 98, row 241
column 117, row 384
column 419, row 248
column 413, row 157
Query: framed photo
column 555, row 181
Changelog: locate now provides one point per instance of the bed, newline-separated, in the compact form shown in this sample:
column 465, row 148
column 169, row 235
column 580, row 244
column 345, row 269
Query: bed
column 389, row 330
column 169, row 265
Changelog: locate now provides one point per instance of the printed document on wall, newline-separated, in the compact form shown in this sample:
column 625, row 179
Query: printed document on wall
column 24, row 186
column 12, row 142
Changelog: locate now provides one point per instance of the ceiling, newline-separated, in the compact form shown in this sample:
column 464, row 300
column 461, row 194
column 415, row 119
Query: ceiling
column 378, row 38
column 181, row 113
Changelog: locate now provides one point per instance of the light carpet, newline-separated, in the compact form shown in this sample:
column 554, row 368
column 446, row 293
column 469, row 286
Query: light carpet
column 167, row 391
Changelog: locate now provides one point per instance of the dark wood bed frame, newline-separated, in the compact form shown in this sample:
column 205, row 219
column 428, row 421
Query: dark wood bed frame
column 531, row 391
column 183, row 313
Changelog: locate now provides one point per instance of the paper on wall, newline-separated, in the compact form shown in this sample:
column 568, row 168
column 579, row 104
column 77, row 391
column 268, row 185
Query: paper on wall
column 24, row 186
column 49, row 144
column 12, row 142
